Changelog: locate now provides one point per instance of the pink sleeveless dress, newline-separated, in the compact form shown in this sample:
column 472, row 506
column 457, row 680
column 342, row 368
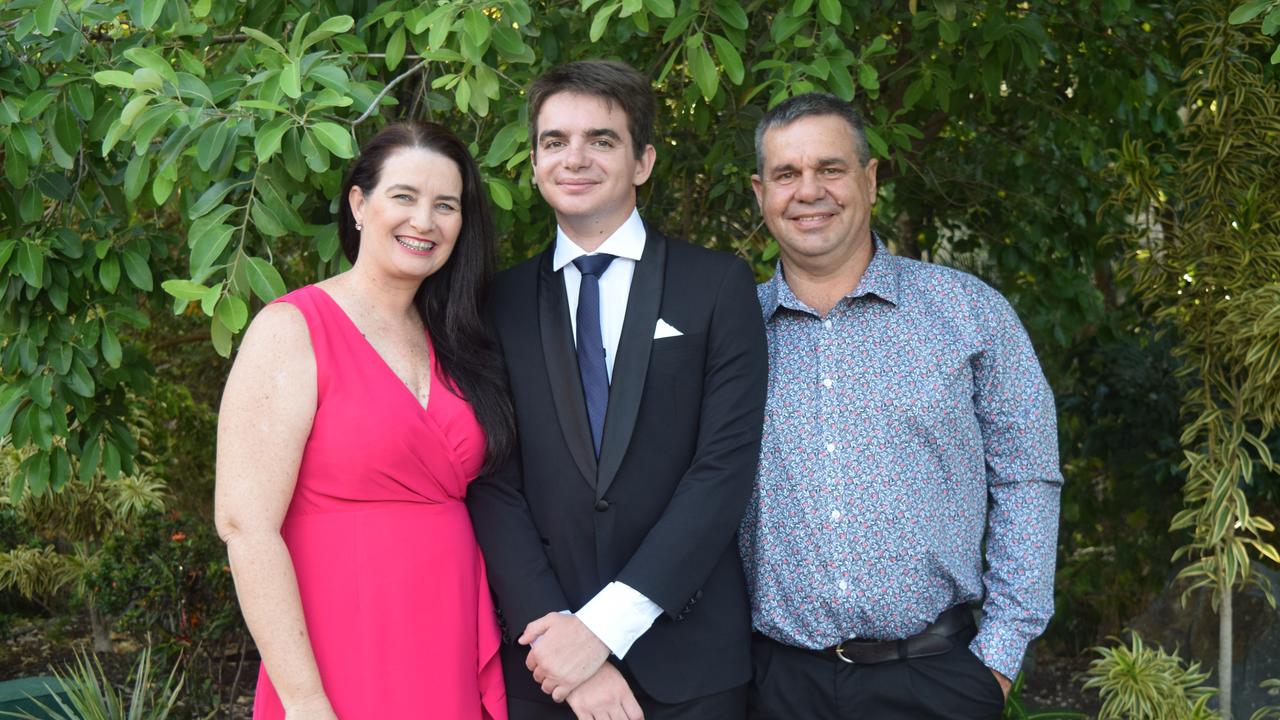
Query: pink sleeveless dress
column 393, row 586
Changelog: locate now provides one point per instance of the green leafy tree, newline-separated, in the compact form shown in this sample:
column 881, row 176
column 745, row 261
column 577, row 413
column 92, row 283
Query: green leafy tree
column 183, row 157
column 1207, row 259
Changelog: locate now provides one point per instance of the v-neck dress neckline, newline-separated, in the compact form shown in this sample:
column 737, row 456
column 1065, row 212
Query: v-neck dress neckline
column 364, row 339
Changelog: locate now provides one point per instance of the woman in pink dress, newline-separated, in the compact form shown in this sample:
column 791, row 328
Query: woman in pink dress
column 356, row 413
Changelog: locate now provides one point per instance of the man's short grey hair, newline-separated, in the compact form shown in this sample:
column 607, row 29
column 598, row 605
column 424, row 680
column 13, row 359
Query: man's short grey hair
column 814, row 103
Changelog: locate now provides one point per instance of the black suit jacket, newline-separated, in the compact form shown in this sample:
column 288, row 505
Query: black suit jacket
column 659, row 510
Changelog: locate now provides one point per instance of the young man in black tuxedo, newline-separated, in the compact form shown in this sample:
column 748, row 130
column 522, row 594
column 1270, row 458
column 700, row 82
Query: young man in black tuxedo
column 637, row 366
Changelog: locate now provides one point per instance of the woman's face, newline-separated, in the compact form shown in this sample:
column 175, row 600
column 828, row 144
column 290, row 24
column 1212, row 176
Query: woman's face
column 411, row 220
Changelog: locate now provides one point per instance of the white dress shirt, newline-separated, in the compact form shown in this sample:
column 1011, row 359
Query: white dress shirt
column 618, row 614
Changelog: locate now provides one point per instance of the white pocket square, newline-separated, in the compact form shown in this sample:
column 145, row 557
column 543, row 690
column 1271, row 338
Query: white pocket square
column 664, row 330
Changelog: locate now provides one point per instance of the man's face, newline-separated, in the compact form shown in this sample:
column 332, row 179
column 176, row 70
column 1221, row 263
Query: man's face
column 583, row 161
column 815, row 196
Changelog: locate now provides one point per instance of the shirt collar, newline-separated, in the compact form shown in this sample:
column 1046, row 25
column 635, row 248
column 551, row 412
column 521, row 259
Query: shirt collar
column 625, row 242
column 881, row 278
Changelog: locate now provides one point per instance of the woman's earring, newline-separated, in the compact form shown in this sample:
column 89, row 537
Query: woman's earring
column 359, row 227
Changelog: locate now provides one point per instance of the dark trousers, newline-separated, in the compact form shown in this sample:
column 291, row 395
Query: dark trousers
column 790, row 683
column 727, row 705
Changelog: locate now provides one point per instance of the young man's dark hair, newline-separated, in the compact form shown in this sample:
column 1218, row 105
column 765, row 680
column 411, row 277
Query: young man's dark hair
column 617, row 83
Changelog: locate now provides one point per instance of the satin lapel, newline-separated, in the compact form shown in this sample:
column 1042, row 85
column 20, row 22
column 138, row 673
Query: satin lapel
column 632, row 362
column 562, row 368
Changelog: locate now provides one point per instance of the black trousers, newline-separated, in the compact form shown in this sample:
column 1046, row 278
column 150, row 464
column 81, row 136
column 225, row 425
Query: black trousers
column 789, row 684
column 727, row 705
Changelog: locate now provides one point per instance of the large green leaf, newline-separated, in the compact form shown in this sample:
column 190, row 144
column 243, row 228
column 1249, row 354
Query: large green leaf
column 704, row 70
column 334, row 138
column 264, row 279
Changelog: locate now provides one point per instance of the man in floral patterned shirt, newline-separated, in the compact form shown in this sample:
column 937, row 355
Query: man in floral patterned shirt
column 908, row 427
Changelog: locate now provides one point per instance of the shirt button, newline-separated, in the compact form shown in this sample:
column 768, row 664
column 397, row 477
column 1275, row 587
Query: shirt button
column 835, row 514
column 826, row 324
column 826, row 382
column 844, row 585
column 831, row 447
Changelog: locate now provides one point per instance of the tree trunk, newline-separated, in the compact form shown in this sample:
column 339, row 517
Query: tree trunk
column 1225, row 652
column 101, row 629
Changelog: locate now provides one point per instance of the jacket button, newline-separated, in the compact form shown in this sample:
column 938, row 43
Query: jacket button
column 602, row 505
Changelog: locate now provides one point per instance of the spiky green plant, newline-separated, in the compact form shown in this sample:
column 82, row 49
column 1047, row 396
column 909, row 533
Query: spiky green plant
column 90, row 694
column 1136, row 682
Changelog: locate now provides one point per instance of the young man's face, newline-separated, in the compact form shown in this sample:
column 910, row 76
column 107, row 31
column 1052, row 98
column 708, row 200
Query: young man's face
column 815, row 196
column 584, row 163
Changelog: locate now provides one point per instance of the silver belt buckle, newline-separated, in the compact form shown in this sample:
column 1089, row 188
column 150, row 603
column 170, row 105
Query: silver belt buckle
column 840, row 652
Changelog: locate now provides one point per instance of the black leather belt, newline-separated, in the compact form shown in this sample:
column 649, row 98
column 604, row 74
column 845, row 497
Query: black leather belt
column 933, row 640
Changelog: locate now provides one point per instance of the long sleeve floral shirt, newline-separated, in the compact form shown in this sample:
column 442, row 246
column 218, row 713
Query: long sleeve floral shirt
column 903, row 429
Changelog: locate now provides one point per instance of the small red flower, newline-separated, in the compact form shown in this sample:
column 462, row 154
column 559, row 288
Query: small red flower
column 178, row 536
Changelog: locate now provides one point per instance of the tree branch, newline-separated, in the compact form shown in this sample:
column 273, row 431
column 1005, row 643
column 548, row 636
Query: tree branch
column 377, row 99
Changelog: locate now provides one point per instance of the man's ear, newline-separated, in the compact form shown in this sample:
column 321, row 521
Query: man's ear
column 870, row 170
column 644, row 165
column 757, row 186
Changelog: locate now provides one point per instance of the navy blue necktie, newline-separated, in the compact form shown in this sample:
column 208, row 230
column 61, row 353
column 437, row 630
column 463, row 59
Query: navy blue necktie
column 595, row 377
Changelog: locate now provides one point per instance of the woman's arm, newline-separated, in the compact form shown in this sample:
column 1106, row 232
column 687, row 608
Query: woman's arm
column 267, row 409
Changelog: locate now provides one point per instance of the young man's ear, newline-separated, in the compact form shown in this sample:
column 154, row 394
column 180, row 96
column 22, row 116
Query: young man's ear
column 644, row 165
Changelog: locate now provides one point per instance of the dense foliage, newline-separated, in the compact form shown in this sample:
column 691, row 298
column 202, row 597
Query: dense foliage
column 169, row 166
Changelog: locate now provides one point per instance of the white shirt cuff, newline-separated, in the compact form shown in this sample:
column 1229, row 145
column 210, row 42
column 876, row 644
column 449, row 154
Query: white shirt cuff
column 619, row 615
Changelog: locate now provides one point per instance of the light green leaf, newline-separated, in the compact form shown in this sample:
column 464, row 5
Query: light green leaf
column 876, row 142
column 729, row 58
column 210, row 198
column 500, row 194
column 184, row 289
column 333, row 26
column 1246, row 12
column 133, row 108
column 268, row 138
column 265, row 39
column 334, row 138
column 264, row 280
column 732, row 14
column 601, row 20
column 207, row 248
column 35, row 103
column 291, row 79
column 148, row 58
column 46, row 17
column 210, row 146
column 476, row 26
column 147, row 79
column 221, row 337
column 868, row 77
column 395, row 49
column 830, row 10
column 135, row 176
column 505, row 143
column 137, row 270
column 114, row 78
column 440, row 22
column 233, row 312
column 265, row 220
column 661, row 8
column 462, row 95
column 151, row 10
column 704, row 70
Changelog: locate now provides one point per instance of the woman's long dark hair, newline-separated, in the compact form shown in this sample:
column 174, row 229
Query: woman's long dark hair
column 450, row 299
